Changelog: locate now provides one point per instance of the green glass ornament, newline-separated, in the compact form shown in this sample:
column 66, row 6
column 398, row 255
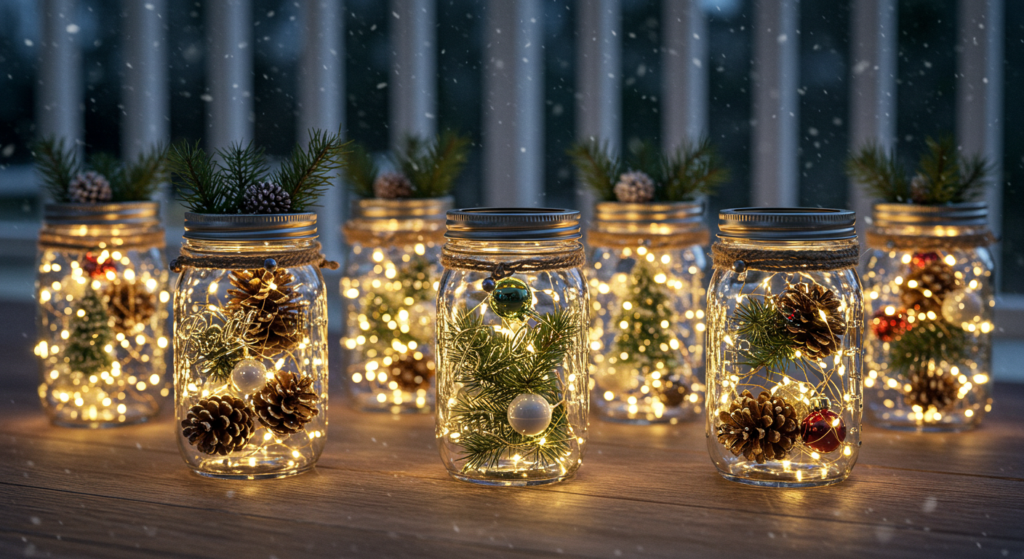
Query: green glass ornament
column 511, row 298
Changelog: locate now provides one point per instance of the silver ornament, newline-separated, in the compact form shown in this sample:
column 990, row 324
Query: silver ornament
column 529, row 414
column 248, row 376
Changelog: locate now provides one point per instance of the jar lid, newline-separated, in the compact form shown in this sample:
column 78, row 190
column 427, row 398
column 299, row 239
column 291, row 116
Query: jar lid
column 250, row 227
column 514, row 224
column 968, row 214
column 787, row 224
column 401, row 208
column 657, row 218
column 113, row 213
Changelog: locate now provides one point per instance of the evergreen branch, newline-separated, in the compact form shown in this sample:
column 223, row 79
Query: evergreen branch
column 110, row 167
column 645, row 157
column 928, row 341
column 597, row 167
column 432, row 168
column 694, row 169
column 880, row 174
column 58, row 164
column 308, row 173
column 143, row 176
column 239, row 168
column 763, row 327
column 974, row 170
column 361, row 171
column 644, row 336
column 940, row 167
column 200, row 186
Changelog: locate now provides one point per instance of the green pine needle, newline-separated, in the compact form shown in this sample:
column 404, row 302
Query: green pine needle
column 240, row 167
column 361, row 171
column 89, row 334
column 200, row 186
column 597, row 166
column 695, row 169
column 928, row 341
column 645, row 337
column 58, row 163
column 432, row 167
column 763, row 327
column 879, row 173
column 310, row 172
column 141, row 178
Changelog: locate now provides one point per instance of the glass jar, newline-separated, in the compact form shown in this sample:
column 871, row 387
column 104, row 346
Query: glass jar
column 250, row 345
column 512, row 388
column 928, row 282
column 785, row 320
column 390, row 294
column 101, row 287
column 647, row 327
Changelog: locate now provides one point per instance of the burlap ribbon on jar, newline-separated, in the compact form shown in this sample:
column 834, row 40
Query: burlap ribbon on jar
column 782, row 260
column 365, row 237
column 549, row 262
column 604, row 239
column 886, row 241
column 49, row 240
column 291, row 259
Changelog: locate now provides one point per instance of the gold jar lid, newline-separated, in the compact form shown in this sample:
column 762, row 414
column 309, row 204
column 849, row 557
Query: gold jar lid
column 968, row 214
column 112, row 213
column 787, row 224
column 514, row 224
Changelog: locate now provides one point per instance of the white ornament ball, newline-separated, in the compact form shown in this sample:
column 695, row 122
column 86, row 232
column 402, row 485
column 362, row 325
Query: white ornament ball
column 248, row 376
column 529, row 414
column 962, row 307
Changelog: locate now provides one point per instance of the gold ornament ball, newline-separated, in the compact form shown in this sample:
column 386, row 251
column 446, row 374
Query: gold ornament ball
column 962, row 307
column 248, row 376
column 529, row 414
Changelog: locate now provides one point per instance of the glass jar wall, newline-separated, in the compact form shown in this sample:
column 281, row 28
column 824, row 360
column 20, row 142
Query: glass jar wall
column 647, row 327
column 390, row 292
column 250, row 345
column 101, row 288
column 928, row 283
column 512, row 388
column 785, row 319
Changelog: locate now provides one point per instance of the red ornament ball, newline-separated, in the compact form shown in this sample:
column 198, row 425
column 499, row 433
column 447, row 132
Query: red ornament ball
column 888, row 327
column 823, row 430
column 922, row 259
column 95, row 269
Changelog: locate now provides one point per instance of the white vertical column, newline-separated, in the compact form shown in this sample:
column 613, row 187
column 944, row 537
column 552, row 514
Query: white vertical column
column 413, row 84
column 979, row 95
column 60, row 94
column 776, row 103
column 513, row 127
column 229, row 72
column 598, row 82
column 874, row 38
column 685, row 70
column 146, row 97
column 322, row 102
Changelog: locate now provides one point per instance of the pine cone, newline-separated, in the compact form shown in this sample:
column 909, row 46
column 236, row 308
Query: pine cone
column 129, row 305
column 218, row 425
column 919, row 189
column 392, row 185
column 932, row 389
column 266, row 198
column 802, row 304
column 926, row 286
column 672, row 393
column 279, row 309
column 89, row 188
column 286, row 403
column 412, row 374
column 759, row 430
column 634, row 186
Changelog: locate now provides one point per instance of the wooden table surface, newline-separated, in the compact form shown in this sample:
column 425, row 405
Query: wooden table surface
column 380, row 491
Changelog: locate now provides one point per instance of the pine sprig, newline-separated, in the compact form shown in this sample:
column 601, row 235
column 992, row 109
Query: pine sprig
column 650, row 307
column 695, row 169
column 433, row 167
column 240, row 166
column 200, row 186
column 142, row 177
column 598, row 167
column 309, row 172
column 361, row 171
column 58, row 163
column 928, row 341
column 770, row 345
column 943, row 175
column 494, row 367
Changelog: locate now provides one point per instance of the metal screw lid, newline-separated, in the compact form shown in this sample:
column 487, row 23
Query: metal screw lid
column 403, row 208
column 787, row 224
column 250, row 227
column 969, row 214
column 657, row 218
column 112, row 213
column 514, row 224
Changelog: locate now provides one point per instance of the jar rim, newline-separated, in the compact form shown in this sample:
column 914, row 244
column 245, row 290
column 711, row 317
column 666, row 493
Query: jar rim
column 250, row 227
column 513, row 224
column 787, row 224
column 401, row 208
column 142, row 212
column 886, row 214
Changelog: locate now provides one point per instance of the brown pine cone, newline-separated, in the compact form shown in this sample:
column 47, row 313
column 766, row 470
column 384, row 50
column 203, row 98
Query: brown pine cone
column 266, row 198
column 926, row 286
column 279, row 309
column 286, row 403
column 932, row 389
column 89, row 188
column 634, row 187
column 129, row 304
column 412, row 374
column 392, row 185
column 759, row 430
column 803, row 304
column 672, row 394
column 218, row 425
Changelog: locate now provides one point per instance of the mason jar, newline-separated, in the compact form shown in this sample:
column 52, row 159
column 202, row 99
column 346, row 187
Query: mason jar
column 512, row 387
column 390, row 294
column 101, row 290
column 785, row 320
column 250, row 345
column 928, row 279
column 647, row 313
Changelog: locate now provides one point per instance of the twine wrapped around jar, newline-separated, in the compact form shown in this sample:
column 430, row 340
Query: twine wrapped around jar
column 776, row 260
